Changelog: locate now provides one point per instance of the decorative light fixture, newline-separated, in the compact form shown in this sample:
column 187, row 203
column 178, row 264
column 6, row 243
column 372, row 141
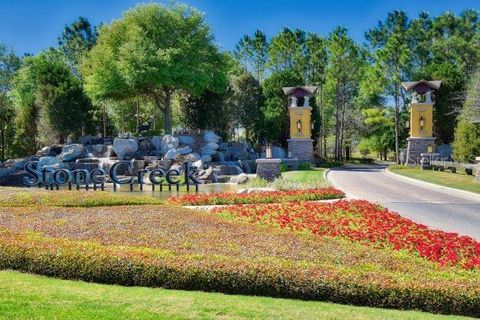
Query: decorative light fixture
column 407, row 124
column 422, row 123
column 299, row 125
column 268, row 151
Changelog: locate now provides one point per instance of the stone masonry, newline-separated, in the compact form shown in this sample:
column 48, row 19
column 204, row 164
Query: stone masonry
column 300, row 149
column 417, row 146
column 268, row 169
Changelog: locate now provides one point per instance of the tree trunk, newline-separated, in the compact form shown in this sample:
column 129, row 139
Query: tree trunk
column 337, row 125
column 167, row 112
column 137, row 105
column 2, row 134
column 104, row 120
column 321, row 129
column 397, row 115
column 342, row 132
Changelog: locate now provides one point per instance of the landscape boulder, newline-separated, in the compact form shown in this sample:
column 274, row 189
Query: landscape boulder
column 198, row 164
column 240, row 179
column 206, row 176
column 156, row 142
column 99, row 150
column 210, row 148
column 169, row 142
column 72, row 152
column 184, row 150
column 145, row 146
column 206, row 158
column 50, row 151
column 171, row 154
column 192, row 157
column 210, row 136
column 187, row 140
column 125, row 148
column 49, row 162
column 229, row 170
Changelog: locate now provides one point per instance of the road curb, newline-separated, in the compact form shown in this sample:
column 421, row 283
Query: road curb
column 469, row 194
column 334, row 185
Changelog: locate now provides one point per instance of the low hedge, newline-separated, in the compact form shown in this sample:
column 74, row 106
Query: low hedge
column 19, row 197
column 173, row 247
column 258, row 197
column 131, row 266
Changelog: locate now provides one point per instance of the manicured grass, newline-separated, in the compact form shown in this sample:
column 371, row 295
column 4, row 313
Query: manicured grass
column 312, row 175
column 177, row 248
column 457, row 180
column 290, row 180
column 21, row 197
column 23, row 296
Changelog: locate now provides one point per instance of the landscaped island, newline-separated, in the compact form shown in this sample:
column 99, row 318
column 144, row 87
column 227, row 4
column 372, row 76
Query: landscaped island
column 350, row 252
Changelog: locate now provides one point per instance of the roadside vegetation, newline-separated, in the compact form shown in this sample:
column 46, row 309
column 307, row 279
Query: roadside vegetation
column 21, row 197
column 459, row 180
column 257, row 197
column 22, row 295
column 308, row 178
column 302, row 250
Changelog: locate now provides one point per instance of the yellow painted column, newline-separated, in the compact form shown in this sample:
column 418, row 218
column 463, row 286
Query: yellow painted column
column 421, row 120
column 300, row 122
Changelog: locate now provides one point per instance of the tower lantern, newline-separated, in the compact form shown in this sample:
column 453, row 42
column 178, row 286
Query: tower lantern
column 421, row 138
column 300, row 144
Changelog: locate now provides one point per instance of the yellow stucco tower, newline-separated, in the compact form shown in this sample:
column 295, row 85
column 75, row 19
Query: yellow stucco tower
column 421, row 140
column 300, row 144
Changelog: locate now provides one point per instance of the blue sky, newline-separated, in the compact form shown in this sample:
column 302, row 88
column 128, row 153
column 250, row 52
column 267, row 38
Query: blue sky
column 32, row 25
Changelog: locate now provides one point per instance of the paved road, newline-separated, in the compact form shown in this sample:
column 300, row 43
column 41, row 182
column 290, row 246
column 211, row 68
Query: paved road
column 435, row 207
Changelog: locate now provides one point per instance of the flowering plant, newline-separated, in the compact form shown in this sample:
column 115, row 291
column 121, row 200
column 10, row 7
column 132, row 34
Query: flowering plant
column 365, row 222
column 260, row 197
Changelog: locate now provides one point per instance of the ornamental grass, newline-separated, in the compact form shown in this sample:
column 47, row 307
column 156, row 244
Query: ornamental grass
column 259, row 197
column 173, row 247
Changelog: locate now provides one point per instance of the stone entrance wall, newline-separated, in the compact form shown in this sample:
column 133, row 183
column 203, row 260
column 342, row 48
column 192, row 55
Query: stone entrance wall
column 417, row 146
column 268, row 169
column 300, row 149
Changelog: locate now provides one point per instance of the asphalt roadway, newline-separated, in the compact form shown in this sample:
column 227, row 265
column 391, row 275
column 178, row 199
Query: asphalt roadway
column 438, row 208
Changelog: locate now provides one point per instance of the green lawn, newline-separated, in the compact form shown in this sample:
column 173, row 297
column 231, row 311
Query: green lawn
column 25, row 296
column 297, row 179
column 305, row 176
column 457, row 180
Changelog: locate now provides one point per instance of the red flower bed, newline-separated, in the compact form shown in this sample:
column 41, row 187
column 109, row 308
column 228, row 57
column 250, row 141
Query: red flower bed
column 260, row 197
column 368, row 223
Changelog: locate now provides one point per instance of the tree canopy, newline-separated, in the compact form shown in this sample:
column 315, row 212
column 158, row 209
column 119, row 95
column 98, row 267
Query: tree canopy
column 152, row 52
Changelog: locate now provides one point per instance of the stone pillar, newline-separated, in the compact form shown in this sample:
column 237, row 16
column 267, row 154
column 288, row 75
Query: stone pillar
column 477, row 159
column 268, row 169
column 417, row 146
column 302, row 149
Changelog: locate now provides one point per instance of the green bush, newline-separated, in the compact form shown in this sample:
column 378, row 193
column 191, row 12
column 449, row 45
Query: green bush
column 284, row 167
column 19, row 197
column 90, row 261
column 304, row 166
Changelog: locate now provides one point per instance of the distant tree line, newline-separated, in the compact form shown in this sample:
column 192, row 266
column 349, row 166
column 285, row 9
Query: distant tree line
column 159, row 66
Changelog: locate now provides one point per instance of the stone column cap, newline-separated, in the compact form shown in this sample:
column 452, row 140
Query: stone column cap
column 273, row 160
column 421, row 138
column 477, row 159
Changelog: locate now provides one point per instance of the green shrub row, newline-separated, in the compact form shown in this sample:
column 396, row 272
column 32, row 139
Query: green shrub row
column 130, row 266
column 17, row 197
